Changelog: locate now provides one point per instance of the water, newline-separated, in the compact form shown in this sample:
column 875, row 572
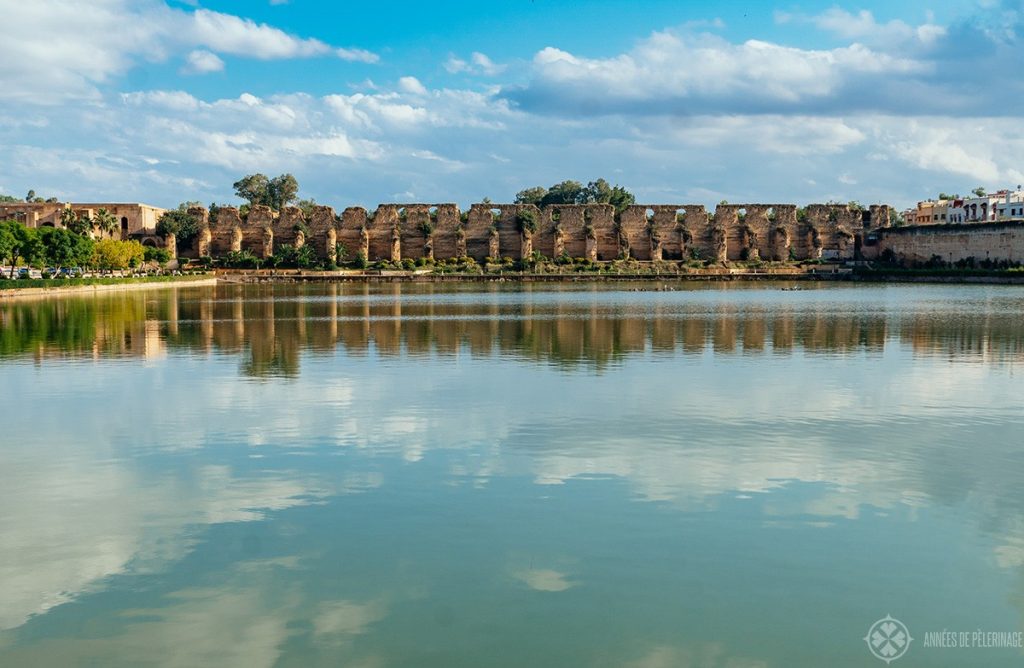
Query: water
column 546, row 475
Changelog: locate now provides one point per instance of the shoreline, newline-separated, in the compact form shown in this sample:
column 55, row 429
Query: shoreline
column 128, row 284
column 239, row 277
column 243, row 277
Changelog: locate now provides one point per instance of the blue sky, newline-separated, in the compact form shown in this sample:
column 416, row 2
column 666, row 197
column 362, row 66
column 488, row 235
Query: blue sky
column 680, row 101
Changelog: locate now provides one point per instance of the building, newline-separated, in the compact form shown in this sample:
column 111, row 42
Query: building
column 1012, row 205
column 987, row 208
column 135, row 220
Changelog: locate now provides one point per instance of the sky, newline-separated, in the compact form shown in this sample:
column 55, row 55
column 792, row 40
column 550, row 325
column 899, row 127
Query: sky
column 682, row 102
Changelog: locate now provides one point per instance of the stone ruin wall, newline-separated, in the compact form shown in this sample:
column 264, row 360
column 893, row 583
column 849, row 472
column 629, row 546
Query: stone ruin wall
column 675, row 232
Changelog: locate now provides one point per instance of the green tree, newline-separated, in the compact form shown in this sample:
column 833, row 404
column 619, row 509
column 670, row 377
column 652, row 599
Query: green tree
column 106, row 222
column 276, row 193
column 10, row 243
column 179, row 222
column 282, row 191
column 63, row 248
column 159, row 255
column 32, row 250
column 77, row 224
column 531, row 195
column 566, row 192
column 573, row 192
column 253, row 188
column 31, row 196
column 306, row 206
column 8, row 198
column 979, row 192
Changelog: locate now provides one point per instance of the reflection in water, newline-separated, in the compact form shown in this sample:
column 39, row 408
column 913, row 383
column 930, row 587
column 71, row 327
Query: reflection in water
column 561, row 324
column 548, row 475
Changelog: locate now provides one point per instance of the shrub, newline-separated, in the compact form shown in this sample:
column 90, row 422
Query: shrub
column 289, row 256
column 526, row 221
column 361, row 262
column 159, row 255
column 243, row 259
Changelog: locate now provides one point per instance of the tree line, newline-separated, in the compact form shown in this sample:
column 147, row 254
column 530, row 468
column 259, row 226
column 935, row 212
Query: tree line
column 63, row 247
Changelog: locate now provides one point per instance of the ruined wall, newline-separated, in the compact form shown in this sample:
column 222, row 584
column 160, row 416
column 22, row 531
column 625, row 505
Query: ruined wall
column 448, row 241
column 354, row 233
column 323, row 232
column 226, row 232
column 481, row 229
column 384, row 230
column 996, row 242
column 670, row 232
column 258, row 231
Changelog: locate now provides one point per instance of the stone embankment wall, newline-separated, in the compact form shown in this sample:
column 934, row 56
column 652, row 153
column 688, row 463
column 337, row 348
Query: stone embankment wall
column 995, row 242
column 593, row 231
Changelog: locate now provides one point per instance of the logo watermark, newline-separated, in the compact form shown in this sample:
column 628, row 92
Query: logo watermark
column 888, row 639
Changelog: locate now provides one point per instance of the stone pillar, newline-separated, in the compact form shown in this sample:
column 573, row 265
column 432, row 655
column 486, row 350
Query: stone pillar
column 396, row 244
column 203, row 242
column 460, row 241
column 364, row 242
column 268, row 243
column 655, row 237
column 331, row 246
column 171, row 244
column 492, row 244
column 526, row 245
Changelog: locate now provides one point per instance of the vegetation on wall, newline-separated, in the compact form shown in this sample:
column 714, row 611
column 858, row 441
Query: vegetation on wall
column 574, row 192
column 276, row 193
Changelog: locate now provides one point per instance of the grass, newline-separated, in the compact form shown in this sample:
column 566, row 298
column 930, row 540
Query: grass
column 17, row 283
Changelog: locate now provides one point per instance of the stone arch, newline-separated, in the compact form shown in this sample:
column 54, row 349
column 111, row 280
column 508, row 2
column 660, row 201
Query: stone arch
column 681, row 238
column 746, row 236
column 149, row 242
column 653, row 233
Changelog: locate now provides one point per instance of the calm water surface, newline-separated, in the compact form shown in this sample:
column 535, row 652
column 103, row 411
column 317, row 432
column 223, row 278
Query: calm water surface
column 567, row 475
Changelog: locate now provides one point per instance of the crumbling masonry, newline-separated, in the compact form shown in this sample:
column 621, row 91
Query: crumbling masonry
column 597, row 232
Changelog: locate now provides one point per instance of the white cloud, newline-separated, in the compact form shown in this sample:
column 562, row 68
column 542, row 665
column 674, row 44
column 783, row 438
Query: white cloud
column 412, row 86
column 202, row 62
column 864, row 27
column 86, row 57
column 357, row 55
column 227, row 33
column 684, row 74
column 478, row 63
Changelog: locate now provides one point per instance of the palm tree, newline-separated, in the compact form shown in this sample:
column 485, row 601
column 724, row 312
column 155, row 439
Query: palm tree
column 105, row 222
column 75, row 223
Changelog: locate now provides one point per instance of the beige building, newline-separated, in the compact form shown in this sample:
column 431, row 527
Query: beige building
column 134, row 219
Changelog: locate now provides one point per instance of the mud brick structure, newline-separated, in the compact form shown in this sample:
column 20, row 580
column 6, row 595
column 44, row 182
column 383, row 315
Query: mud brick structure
column 644, row 232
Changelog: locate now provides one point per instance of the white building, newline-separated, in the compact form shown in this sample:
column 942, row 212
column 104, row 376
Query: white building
column 1012, row 205
column 987, row 208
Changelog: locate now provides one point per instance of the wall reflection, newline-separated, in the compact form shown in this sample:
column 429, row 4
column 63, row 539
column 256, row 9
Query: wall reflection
column 272, row 325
